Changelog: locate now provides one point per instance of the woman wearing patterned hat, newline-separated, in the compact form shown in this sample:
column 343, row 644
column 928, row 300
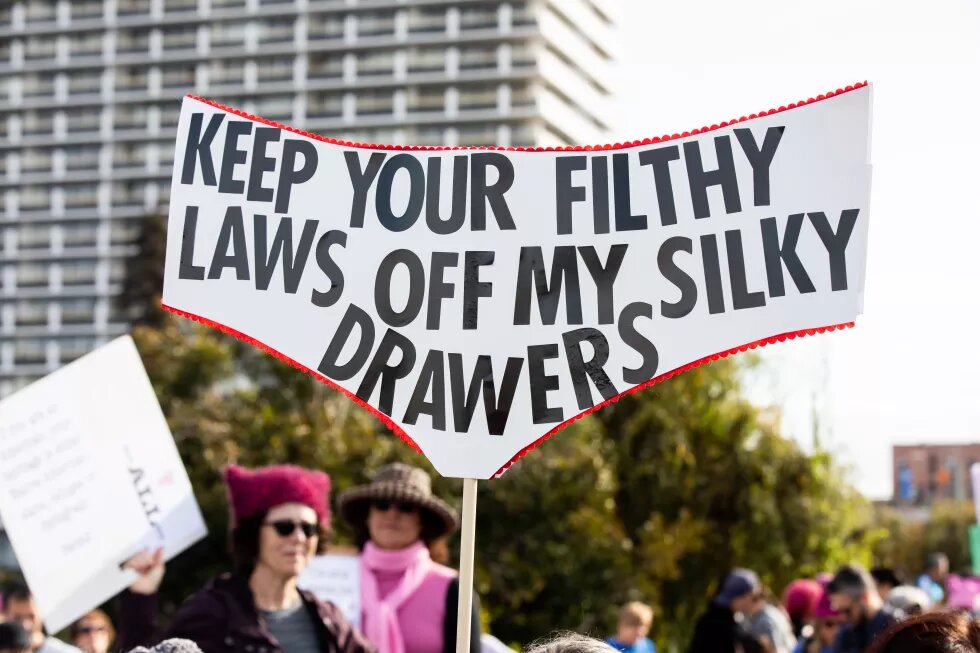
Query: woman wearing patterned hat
column 280, row 519
column 408, row 601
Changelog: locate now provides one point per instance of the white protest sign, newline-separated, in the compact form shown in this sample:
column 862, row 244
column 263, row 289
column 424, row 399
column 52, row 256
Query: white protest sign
column 478, row 300
column 336, row 578
column 89, row 475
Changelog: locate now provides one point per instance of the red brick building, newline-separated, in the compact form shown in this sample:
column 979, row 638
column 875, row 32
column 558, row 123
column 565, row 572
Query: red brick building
column 923, row 473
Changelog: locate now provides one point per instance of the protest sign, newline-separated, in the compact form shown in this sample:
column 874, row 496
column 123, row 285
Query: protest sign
column 478, row 300
column 90, row 475
column 336, row 578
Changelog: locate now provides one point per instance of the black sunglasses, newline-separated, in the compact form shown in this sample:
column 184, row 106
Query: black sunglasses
column 286, row 527
column 404, row 507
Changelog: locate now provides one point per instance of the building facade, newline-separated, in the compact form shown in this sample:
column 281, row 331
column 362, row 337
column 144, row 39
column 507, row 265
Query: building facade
column 91, row 96
column 925, row 473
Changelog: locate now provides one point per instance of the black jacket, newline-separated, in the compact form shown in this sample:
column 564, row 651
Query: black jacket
column 222, row 618
column 715, row 632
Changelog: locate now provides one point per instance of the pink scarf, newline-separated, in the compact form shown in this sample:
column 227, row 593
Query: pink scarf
column 381, row 615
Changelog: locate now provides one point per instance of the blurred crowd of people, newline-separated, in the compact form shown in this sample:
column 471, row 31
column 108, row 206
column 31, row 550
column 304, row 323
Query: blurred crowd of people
column 281, row 519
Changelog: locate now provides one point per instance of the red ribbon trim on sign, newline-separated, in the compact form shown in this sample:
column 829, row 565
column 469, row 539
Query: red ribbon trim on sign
column 550, row 148
column 397, row 430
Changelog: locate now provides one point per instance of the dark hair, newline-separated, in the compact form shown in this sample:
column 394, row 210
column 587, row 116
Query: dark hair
column 14, row 637
column 936, row 560
column 432, row 527
column 245, row 542
column 16, row 591
column 933, row 632
column 853, row 580
column 889, row 576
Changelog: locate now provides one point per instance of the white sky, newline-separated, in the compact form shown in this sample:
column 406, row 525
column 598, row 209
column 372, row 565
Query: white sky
column 909, row 371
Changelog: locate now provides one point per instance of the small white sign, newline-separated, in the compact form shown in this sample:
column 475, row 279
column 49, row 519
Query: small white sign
column 90, row 475
column 336, row 578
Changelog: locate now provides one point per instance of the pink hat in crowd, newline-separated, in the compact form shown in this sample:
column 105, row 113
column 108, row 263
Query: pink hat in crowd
column 800, row 598
column 253, row 492
column 824, row 610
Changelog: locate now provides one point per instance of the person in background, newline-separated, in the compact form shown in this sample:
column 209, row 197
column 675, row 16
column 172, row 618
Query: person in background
column 908, row 601
column 632, row 628
column 854, row 595
column 769, row 625
column 933, row 632
column 93, row 632
column 409, row 602
column 19, row 605
column 716, row 630
column 800, row 599
column 14, row 638
column 933, row 579
column 887, row 579
column 569, row 643
column 826, row 624
column 171, row 646
column 280, row 519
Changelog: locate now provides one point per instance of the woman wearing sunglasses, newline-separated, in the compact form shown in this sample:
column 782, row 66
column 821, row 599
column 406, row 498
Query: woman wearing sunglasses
column 280, row 519
column 408, row 601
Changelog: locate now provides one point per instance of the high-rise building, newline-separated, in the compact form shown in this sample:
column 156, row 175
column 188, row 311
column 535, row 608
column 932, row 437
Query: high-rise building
column 90, row 100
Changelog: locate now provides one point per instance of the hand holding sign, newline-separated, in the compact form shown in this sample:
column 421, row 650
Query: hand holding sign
column 478, row 301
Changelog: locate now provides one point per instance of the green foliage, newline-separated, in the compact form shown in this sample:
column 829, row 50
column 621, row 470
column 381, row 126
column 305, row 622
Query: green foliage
column 653, row 498
column 906, row 539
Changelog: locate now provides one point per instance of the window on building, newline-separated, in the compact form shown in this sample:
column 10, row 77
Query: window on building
column 35, row 198
column 70, row 349
column 41, row 11
column 39, row 85
column 478, row 58
column 426, row 60
column 472, row 135
column 275, row 30
column 133, row 41
column 325, row 66
column 38, row 123
column 129, row 156
column 86, row 44
column 478, row 16
column 178, row 77
column 275, row 69
column 474, row 97
column 35, row 160
column 31, row 275
column 134, row 116
column 376, row 24
column 83, row 82
column 78, row 273
column 33, row 236
column 124, row 232
column 86, row 9
column 82, row 157
column 324, row 105
column 29, row 352
column 131, row 78
column 133, row 7
column 427, row 20
column 276, row 107
column 80, row 235
column 375, row 63
column 325, row 27
column 78, row 196
column 371, row 103
column 78, row 311
column 226, row 71
column 179, row 6
column 181, row 38
column 84, row 120
column 228, row 35
column 427, row 99
column 31, row 313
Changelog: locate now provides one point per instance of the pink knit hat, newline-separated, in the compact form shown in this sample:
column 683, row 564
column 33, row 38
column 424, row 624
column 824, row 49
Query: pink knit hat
column 801, row 597
column 253, row 492
column 824, row 611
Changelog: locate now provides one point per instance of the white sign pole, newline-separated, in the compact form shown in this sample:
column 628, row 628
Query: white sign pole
column 464, row 617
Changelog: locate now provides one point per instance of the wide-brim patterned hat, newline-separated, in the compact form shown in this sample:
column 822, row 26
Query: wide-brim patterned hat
column 397, row 482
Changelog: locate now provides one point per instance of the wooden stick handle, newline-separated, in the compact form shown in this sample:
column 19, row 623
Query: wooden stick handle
column 464, row 616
